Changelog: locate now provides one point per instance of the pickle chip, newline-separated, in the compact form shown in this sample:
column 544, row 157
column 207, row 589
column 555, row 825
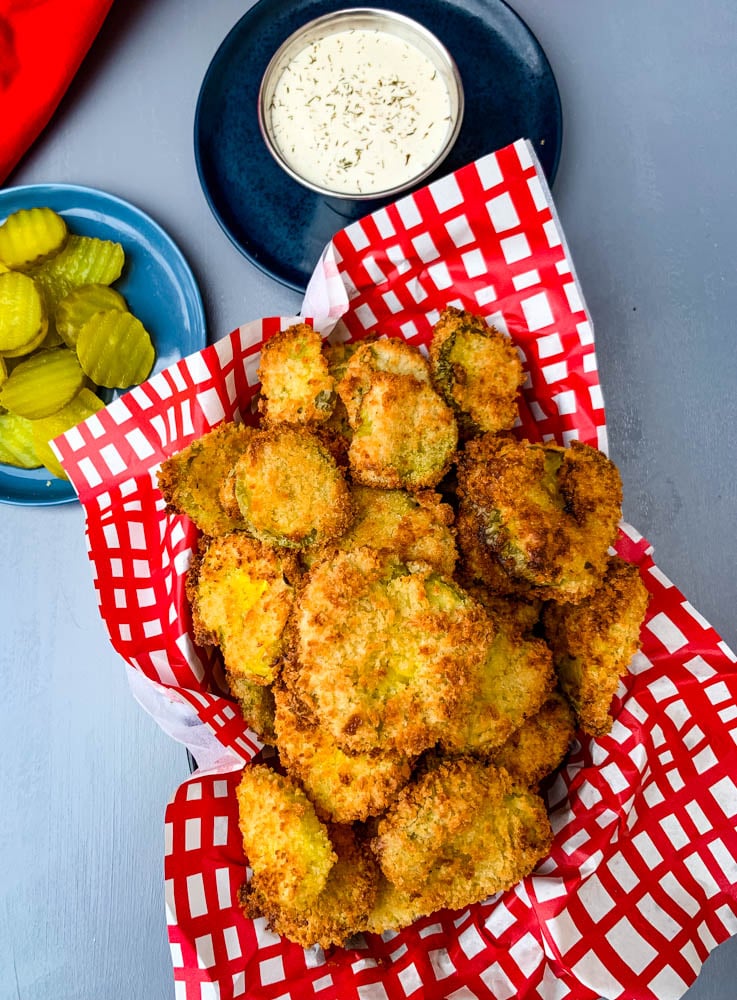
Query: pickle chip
column 42, row 384
column 76, row 308
column 115, row 349
column 3, row 370
column 30, row 236
column 85, row 260
column 82, row 406
column 16, row 442
column 22, row 315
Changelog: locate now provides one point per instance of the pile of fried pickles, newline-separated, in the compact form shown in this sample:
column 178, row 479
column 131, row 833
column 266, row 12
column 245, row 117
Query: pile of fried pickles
column 415, row 607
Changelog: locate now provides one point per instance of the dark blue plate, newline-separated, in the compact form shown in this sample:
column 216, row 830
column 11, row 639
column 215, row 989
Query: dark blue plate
column 510, row 93
column 156, row 282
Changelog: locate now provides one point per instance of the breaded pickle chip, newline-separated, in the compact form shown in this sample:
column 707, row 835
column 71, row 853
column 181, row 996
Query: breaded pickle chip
column 42, row 384
column 115, row 349
column 23, row 322
column 594, row 641
column 191, row 480
column 404, row 437
column 286, row 845
column 256, row 703
column 85, row 260
column 477, row 371
column 546, row 514
column 296, row 386
column 82, row 406
column 462, row 832
column 387, row 354
column 540, row 744
column 290, row 490
column 343, row 787
column 31, row 235
column 394, row 909
column 16, row 442
column 73, row 311
column 383, row 652
column 241, row 592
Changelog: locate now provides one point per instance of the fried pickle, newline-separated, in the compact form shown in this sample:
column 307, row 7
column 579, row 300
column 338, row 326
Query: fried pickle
column 539, row 746
column 460, row 833
column 241, row 593
column 296, row 385
column 547, row 514
column 391, row 355
column 290, row 489
column 190, row 480
column 343, row 787
column 383, row 652
column 256, row 703
column 477, row 370
column 594, row 641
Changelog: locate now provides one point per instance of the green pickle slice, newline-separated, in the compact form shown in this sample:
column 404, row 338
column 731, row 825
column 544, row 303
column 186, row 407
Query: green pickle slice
column 17, row 445
column 115, row 349
column 80, row 304
column 82, row 406
column 23, row 321
column 30, row 236
column 85, row 260
column 42, row 384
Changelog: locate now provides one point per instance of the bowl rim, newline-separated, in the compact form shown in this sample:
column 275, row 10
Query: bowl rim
column 411, row 26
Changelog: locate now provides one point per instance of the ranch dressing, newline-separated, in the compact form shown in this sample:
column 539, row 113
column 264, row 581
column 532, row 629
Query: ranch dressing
column 360, row 111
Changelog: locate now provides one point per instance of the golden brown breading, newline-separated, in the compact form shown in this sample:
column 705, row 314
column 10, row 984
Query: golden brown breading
column 256, row 703
column 514, row 681
column 479, row 564
column 477, row 370
column 341, row 909
column 461, row 832
column 548, row 514
column 190, row 480
column 520, row 613
column 343, row 787
column 394, row 909
column 594, row 641
column 290, row 490
column 241, row 592
column 540, row 744
column 296, row 386
column 387, row 354
column 383, row 653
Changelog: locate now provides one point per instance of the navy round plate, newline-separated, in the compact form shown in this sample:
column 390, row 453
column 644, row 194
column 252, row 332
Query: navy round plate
column 510, row 93
column 156, row 282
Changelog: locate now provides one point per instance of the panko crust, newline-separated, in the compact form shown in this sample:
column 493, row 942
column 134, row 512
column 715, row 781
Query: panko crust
column 190, row 480
column 384, row 653
column 256, row 702
column 477, row 370
column 547, row 514
column 241, row 594
column 296, row 385
column 343, row 787
column 594, row 641
column 541, row 743
column 290, row 490
column 460, row 833
column 391, row 355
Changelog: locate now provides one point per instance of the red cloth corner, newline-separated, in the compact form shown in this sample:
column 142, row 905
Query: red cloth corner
column 42, row 43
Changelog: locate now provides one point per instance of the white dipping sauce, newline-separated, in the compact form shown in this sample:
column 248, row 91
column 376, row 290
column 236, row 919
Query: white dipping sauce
column 359, row 111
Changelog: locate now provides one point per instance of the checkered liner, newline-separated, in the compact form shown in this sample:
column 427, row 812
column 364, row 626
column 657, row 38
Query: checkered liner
column 640, row 884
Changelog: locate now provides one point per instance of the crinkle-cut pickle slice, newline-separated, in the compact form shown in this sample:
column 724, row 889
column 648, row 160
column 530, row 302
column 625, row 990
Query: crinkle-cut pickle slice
column 30, row 236
column 84, row 404
column 85, row 260
column 22, row 315
column 16, row 442
column 80, row 304
column 42, row 384
column 115, row 349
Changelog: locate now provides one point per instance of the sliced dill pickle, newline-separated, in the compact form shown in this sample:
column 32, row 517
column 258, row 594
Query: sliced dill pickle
column 16, row 442
column 85, row 260
column 76, row 308
column 30, row 236
column 22, row 314
column 115, row 349
column 82, row 406
column 42, row 384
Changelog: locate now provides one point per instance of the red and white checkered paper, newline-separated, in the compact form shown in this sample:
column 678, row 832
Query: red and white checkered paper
column 641, row 881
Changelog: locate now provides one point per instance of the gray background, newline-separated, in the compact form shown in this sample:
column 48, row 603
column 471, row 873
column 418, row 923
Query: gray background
column 646, row 194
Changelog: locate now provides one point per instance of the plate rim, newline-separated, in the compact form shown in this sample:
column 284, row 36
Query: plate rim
column 193, row 297
column 259, row 7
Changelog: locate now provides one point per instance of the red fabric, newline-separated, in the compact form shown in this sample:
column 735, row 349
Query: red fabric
column 42, row 43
